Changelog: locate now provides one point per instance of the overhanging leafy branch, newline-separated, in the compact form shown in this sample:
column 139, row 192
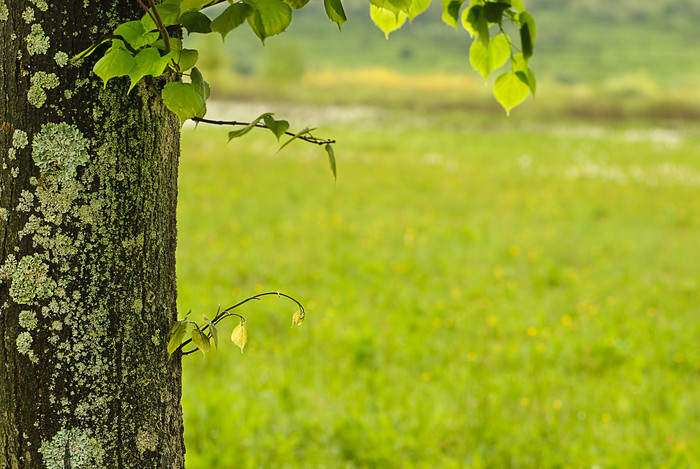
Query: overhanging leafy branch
column 144, row 47
column 202, row 336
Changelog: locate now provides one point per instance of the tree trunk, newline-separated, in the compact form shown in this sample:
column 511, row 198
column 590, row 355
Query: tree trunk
column 88, row 189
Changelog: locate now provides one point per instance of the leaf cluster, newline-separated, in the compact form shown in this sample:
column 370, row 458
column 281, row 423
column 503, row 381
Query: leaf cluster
column 489, row 52
column 144, row 47
column 492, row 46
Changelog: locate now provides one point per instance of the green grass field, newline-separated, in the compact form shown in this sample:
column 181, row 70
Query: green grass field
column 481, row 293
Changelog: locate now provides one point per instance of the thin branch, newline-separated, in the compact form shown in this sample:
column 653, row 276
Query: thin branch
column 161, row 26
column 227, row 312
column 309, row 138
column 148, row 11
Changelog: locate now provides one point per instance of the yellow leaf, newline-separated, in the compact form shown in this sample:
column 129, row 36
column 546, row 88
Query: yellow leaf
column 201, row 340
column 239, row 336
column 298, row 318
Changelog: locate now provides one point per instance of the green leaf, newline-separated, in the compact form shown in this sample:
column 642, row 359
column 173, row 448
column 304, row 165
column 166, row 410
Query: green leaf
column 528, row 31
column 277, row 127
column 184, row 100
column 450, row 12
column 510, row 90
column 469, row 16
column 520, row 66
column 526, row 40
column 269, row 17
column 148, row 62
column 525, row 18
column 135, row 34
column 116, row 62
column 176, row 335
column 186, row 58
column 305, row 131
column 195, row 22
column 201, row 340
column 187, row 5
column 417, row 7
column 201, row 86
column 335, row 12
column 214, row 332
column 475, row 23
column 485, row 59
column 296, row 4
column 231, row 18
column 331, row 159
column 518, row 5
column 394, row 6
column 493, row 11
column 248, row 128
column 387, row 20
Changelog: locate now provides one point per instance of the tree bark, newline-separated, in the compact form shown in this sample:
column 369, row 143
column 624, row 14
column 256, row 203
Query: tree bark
column 88, row 191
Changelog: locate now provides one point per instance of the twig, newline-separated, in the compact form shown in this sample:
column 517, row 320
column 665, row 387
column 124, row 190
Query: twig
column 309, row 139
column 161, row 26
column 227, row 312
column 148, row 11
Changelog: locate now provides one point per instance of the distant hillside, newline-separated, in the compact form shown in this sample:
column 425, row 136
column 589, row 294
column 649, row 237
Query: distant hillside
column 655, row 11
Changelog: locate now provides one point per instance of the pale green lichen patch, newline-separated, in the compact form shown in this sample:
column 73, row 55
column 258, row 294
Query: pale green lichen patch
column 61, row 59
column 30, row 280
column 37, row 41
column 19, row 139
column 56, row 200
column 28, row 15
column 26, row 200
column 41, row 4
column 24, row 342
column 24, row 345
column 28, row 320
column 59, row 149
column 74, row 449
column 8, row 268
column 4, row 12
column 41, row 81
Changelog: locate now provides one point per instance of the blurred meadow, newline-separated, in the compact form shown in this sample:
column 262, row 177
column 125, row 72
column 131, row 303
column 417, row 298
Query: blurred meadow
column 482, row 291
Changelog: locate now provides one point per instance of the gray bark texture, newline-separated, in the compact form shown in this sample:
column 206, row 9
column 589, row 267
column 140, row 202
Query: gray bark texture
column 88, row 189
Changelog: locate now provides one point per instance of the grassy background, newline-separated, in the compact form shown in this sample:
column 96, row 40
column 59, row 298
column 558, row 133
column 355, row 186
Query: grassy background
column 480, row 294
column 482, row 291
